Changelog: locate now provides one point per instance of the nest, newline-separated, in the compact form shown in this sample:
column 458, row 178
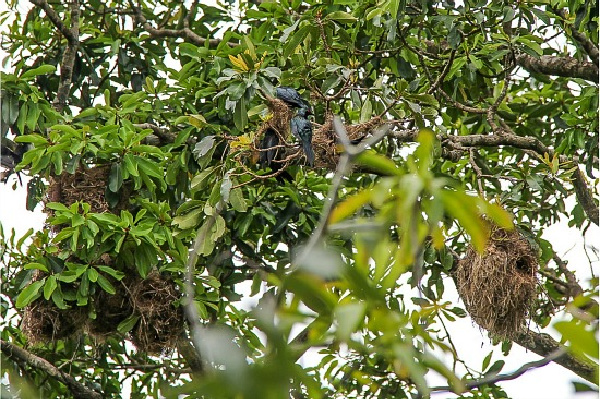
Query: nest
column 500, row 285
column 161, row 322
column 86, row 185
column 325, row 143
column 43, row 321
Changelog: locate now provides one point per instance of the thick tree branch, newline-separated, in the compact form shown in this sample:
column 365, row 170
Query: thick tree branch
column 68, row 58
column 543, row 345
column 584, row 196
column 56, row 20
column 492, row 379
column 78, row 390
column 590, row 48
column 186, row 33
column 567, row 67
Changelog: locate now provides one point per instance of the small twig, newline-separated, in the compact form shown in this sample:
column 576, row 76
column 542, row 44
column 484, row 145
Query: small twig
column 477, row 171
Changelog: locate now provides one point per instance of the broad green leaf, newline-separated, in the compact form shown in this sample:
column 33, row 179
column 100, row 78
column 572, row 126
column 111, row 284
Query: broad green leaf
column 36, row 265
column 29, row 294
column 341, row 16
column 105, row 284
column 127, row 325
column 41, row 70
column 50, row 286
column 350, row 205
column 379, row 163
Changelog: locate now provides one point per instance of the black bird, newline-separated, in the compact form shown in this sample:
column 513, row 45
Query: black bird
column 302, row 130
column 268, row 143
column 291, row 97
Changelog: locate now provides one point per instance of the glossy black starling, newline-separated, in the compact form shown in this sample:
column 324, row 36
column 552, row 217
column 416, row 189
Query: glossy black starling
column 302, row 130
column 291, row 97
column 268, row 143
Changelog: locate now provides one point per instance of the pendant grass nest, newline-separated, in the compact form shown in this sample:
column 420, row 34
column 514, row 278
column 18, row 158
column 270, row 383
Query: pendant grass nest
column 151, row 301
column 499, row 285
column 86, row 185
column 325, row 143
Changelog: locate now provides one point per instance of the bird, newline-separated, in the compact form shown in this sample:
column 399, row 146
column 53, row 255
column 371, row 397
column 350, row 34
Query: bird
column 302, row 130
column 291, row 97
column 269, row 144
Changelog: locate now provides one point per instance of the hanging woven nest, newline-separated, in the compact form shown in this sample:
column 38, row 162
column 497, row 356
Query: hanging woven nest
column 44, row 322
column 86, row 185
column 326, row 144
column 499, row 285
column 160, row 321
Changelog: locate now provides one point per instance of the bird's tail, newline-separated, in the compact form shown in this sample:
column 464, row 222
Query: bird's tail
column 308, row 150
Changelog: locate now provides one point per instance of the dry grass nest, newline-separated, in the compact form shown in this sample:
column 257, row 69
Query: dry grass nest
column 86, row 185
column 325, row 143
column 44, row 322
column 161, row 322
column 152, row 300
column 500, row 285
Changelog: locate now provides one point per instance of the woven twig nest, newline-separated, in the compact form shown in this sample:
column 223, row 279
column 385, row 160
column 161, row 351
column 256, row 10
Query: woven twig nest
column 499, row 286
column 161, row 322
column 44, row 322
column 86, row 185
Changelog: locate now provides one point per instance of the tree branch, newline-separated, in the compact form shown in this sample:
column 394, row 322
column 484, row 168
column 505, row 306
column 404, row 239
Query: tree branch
column 543, row 344
column 567, row 67
column 19, row 354
column 590, row 48
column 56, row 20
column 186, row 33
column 584, row 197
column 492, row 379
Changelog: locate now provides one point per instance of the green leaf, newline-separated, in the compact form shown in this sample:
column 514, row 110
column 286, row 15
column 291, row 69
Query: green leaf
column 341, row 16
column 33, row 139
column 50, row 286
column 105, row 284
column 127, row 325
column 37, row 266
column 236, row 199
column 29, row 294
column 581, row 339
column 92, row 275
column 41, row 70
column 295, row 41
column 115, row 179
column 348, row 319
column 379, row 163
column 366, row 111
column 203, row 147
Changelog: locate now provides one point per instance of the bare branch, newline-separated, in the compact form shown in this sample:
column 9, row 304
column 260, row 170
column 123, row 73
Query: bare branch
column 492, row 379
column 543, row 344
column 19, row 354
column 567, row 67
column 186, row 33
column 590, row 48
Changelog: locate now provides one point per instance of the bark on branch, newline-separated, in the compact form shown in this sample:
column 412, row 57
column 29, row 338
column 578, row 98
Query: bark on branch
column 567, row 67
column 543, row 344
column 471, row 384
column 68, row 58
column 590, row 48
column 56, row 20
column 78, row 390
column 186, row 33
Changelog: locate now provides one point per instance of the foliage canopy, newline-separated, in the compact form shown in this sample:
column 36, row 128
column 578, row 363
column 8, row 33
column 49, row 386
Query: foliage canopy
column 138, row 125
